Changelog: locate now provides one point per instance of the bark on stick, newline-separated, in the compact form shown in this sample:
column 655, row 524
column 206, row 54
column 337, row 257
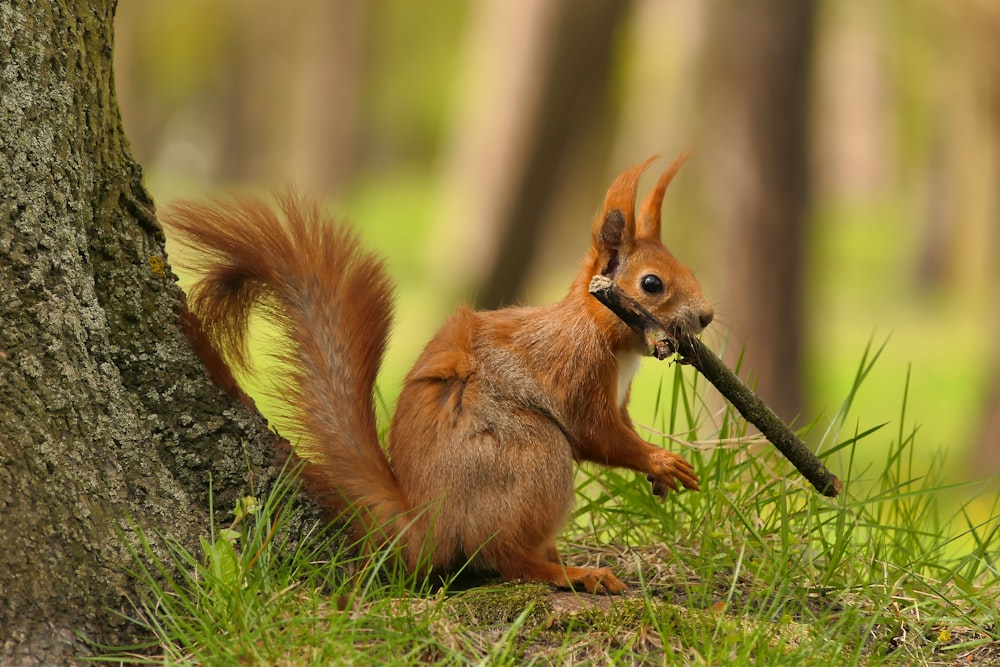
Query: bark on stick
column 664, row 343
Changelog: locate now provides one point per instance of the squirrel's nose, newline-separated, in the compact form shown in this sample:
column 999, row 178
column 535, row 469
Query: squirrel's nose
column 706, row 316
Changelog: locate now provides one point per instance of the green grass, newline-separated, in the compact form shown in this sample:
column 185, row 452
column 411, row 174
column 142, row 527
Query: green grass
column 755, row 569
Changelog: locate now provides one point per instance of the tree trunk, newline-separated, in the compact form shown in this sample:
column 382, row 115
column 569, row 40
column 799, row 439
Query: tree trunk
column 520, row 130
column 108, row 422
column 249, row 106
column 986, row 452
column 757, row 78
column 325, row 107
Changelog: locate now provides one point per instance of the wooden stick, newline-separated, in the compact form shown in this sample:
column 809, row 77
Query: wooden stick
column 663, row 343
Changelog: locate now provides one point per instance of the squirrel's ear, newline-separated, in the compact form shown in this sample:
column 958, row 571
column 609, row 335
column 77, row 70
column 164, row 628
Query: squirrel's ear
column 612, row 239
column 614, row 230
column 648, row 224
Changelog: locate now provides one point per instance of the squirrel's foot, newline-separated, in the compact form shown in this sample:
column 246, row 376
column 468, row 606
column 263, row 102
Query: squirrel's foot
column 666, row 469
column 595, row 580
column 534, row 568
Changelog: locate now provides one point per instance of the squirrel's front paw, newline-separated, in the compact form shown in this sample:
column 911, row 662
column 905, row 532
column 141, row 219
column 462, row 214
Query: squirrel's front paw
column 667, row 469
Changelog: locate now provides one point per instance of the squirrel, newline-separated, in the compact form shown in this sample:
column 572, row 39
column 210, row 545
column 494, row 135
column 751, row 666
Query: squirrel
column 497, row 407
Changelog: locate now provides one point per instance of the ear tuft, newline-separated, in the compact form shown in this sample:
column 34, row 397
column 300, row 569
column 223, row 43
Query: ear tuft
column 648, row 224
column 614, row 229
column 621, row 194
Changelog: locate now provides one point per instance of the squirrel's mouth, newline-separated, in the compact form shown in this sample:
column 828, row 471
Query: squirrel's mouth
column 687, row 323
column 667, row 341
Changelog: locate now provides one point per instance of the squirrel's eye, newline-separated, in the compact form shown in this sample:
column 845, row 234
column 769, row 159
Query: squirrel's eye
column 651, row 284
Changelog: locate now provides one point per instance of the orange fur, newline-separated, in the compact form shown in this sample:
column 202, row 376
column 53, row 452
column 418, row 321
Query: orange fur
column 494, row 412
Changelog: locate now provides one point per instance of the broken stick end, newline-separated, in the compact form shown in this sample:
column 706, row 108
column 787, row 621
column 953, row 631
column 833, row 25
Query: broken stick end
column 833, row 488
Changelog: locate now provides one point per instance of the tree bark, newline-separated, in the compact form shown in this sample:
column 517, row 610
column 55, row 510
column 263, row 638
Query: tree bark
column 757, row 89
column 108, row 421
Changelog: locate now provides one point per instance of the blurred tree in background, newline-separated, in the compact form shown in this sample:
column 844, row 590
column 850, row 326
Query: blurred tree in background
column 844, row 186
column 757, row 75
column 559, row 95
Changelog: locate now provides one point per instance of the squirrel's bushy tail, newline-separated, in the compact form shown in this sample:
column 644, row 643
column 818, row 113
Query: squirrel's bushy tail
column 332, row 304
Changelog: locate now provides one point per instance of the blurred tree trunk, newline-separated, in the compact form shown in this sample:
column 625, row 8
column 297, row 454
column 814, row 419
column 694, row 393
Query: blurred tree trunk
column 323, row 115
column 986, row 24
column 253, row 99
column 537, row 87
column 986, row 453
column 289, row 108
column 149, row 115
column 107, row 419
column 755, row 140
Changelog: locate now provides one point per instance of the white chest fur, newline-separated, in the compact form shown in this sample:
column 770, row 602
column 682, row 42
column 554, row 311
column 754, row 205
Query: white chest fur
column 628, row 366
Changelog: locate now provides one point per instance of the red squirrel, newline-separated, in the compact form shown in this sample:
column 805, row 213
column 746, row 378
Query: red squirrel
column 494, row 412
